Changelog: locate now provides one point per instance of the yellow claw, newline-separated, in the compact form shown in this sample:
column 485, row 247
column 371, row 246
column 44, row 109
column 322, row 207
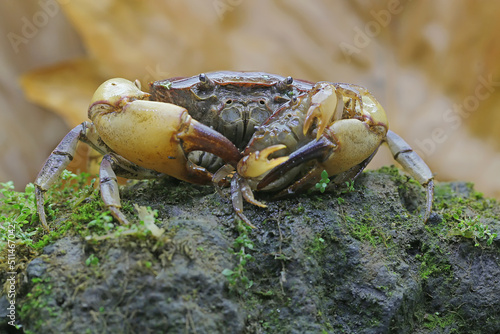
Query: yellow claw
column 257, row 163
column 155, row 135
column 117, row 92
column 323, row 107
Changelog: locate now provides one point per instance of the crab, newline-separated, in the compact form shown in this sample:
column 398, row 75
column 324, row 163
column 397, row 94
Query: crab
column 254, row 130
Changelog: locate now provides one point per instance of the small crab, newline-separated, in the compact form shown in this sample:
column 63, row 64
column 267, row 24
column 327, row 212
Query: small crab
column 262, row 131
column 184, row 127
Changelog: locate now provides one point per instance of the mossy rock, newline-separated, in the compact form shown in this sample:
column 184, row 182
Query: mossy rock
column 355, row 262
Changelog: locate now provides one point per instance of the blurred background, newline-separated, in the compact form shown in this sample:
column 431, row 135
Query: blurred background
column 432, row 64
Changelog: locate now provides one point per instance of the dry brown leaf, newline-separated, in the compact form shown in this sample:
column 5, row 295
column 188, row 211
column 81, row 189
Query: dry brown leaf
column 65, row 88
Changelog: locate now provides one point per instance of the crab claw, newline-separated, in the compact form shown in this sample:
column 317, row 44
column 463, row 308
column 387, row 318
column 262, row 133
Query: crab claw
column 315, row 150
column 257, row 163
column 324, row 107
column 199, row 137
column 155, row 135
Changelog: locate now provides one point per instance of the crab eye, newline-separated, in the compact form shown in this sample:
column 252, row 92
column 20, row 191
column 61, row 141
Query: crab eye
column 228, row 102
column 262, row 102
column 205, row 82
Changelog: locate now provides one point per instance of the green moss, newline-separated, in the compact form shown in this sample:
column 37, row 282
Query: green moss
column 465, row 215
column 19, row 209
column 35, row 302
column 317, row 246
column 73, row 207
column 92, row 260
column 449, row 320
column 392, row 171
column 433, row 263
column 17, row 212
column 236, row 277
column 363, row 228
column 473, row 229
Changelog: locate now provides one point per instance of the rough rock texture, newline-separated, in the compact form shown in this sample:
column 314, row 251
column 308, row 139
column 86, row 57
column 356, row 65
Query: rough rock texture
column 353, row 262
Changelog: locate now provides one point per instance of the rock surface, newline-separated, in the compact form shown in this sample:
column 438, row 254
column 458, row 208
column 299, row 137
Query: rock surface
column 352, row 262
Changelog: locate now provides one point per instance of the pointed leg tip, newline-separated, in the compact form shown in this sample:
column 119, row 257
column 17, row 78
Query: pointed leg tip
column 42, row 218
column 427, row 214
column 39, row 195
column 245, row 220
column 118, row 215
column 260, row 204
column 45, row 226
column 430, row 200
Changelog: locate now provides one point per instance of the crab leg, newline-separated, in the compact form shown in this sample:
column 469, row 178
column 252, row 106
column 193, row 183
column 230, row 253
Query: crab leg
column 351, row 174
column 112, row 165
column 237, row 199
column 109, row 189
column 59, row 160
column 414, row 165
column 307, row 181
column 53, row 168
column 314, row 175
column 220, row 177
column 62, row 156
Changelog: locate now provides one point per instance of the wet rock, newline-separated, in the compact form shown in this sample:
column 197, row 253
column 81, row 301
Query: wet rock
column 36, row 268
column 357, row 262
